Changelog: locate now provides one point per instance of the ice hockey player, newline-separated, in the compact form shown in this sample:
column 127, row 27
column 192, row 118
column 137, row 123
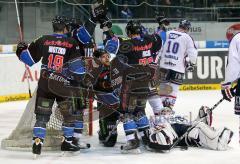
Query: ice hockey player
column 107, row 116
column 55, row 50
column 167, row 128
column 137, row 49
column 82, row 33
column 232, row 74
column 178, row 54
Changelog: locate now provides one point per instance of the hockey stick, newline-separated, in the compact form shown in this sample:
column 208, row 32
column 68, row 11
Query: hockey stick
column 195, row 123
column 21, row 39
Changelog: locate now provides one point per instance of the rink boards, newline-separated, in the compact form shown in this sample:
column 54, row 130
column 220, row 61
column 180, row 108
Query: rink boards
column 209, row 73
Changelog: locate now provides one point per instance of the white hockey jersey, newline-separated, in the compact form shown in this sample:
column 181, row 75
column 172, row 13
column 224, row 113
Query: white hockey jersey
column 177, row 47
column 232, row 71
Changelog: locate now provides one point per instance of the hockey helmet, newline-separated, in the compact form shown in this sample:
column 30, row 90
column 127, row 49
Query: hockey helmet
column 99, row 52
column 185, row 24
column 73, row 24
column 59, row 23
column 133, row 27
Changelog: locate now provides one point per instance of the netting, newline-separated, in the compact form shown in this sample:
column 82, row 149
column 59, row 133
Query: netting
column 21, row 136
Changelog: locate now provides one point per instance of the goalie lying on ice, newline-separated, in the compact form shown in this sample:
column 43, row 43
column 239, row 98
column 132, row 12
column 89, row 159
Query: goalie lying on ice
column 167, row 128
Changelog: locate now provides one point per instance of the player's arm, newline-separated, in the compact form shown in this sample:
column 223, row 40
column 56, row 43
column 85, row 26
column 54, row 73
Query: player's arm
column 98, row 14
column 192, row 53
column 75, row 63
column 157, row 42
column 232, row 71
column 161, row 30
column 29, row 54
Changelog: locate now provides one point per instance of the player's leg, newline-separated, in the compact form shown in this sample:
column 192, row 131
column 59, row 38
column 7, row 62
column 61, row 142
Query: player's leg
column 155, row 102
column 130, row 129
column 142, row 121
column 210, row 138
column 107, row 126
column 68, row 126
column 174, row 80
column 43, row 110
column 78, row 106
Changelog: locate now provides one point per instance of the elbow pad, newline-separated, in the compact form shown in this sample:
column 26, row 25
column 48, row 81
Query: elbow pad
column 26, row 57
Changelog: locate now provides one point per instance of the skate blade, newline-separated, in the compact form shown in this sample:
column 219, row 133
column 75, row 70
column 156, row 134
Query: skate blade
column 69, row 153
column 132, row 151
column 87, row 146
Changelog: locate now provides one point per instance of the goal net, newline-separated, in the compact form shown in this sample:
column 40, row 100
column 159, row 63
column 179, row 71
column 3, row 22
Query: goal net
column 21, row 136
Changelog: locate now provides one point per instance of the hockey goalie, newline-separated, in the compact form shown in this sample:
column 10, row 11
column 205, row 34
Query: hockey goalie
column 167, row 129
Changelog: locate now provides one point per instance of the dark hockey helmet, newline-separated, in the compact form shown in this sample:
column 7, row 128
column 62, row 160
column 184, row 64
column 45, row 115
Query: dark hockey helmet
column 99, row 52
column 59, row 23
column 133, row 27
column 73, row 24
column 185, row 24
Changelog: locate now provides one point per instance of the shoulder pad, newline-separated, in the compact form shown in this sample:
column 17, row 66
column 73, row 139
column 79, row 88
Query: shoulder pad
column 38, row 38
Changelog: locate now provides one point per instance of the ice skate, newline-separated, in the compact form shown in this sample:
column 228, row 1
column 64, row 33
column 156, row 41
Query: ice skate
column 37, row 147
column 131, row 147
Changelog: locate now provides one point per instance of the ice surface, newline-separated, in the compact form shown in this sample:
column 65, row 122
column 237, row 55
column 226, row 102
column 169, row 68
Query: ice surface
column 188, row 101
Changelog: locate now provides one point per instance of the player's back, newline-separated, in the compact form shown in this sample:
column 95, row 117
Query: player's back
column 175, row 50
column 141, row 50
column 55, row 50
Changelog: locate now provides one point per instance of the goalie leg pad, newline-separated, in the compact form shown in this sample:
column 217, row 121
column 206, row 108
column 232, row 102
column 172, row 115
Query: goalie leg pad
column 204, row 111
column 210, row 138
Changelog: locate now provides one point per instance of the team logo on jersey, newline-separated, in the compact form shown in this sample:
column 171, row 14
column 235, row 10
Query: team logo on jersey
column 142, row 48
column 174, row 35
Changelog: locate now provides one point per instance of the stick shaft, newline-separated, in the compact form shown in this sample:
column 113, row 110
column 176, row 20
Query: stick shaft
column 21, row 39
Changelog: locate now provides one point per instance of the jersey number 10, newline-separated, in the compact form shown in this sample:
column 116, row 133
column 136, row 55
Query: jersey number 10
column 172, row 47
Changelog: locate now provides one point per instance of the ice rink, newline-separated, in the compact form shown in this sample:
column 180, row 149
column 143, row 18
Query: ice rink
column 188, row 101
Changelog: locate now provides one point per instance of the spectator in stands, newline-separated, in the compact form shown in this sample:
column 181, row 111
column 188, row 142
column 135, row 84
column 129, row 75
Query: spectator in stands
column 126, row 13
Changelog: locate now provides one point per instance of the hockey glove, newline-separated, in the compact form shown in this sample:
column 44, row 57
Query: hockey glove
column 162, row 21
column 20, row 47
column 228, row 91
column 105, row 22
column 189, row 66
column 99, row 11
